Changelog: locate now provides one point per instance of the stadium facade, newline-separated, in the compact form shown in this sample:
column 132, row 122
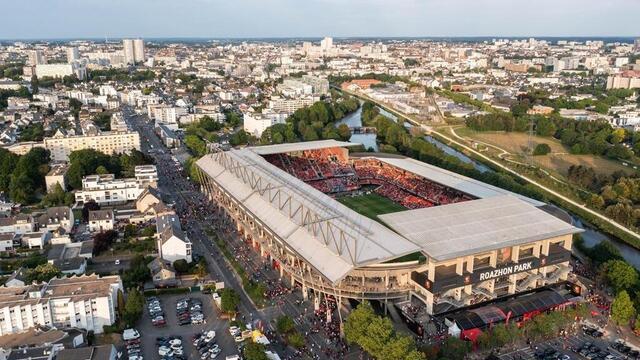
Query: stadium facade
column 459, row 241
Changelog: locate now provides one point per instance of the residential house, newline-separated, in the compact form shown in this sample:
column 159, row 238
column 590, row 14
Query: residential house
column 162, row 273
column 173, row 244
column 56, row 217
column 101, row 220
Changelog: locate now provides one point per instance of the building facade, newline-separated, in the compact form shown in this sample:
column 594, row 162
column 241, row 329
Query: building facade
column 86, row 302
column 61, row 146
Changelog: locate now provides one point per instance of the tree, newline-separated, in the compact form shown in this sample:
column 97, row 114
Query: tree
column 545, row 127
column 133, row 307
column 28, row 176
column 622, row 309
column 240, row 138
column 197, row 146
column 90, row 205
column 43, row 272
column 285, row 324
column 121, row 304
column 101, row 170
column 138, row 272
column 344, row 132
column 595, row 201
column 296, row 340
column 229, row 300
column 376, row 335
column 8, row 162
column 541, row 149
column 254, row 351
column 309, row 134
column 102, row 241
column 621, row 275
column 181, row 266
column 35, row 84
column 355, row 328
column 57, row 197
column 454, row 349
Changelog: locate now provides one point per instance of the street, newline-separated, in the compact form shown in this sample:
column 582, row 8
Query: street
column 197, row 216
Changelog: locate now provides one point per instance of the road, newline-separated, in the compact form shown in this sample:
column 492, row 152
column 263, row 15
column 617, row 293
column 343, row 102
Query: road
column 176, row 187
column 196, row 218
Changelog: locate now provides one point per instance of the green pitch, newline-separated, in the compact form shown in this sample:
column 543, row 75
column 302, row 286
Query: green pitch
column 370, row 205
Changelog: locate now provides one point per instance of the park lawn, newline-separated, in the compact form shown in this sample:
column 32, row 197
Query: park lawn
column 370, row 205
column 558, row 161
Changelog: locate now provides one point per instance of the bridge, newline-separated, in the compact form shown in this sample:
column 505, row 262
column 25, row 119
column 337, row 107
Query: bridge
column 363, row 130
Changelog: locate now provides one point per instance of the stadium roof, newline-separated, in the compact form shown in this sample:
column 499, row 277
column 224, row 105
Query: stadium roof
column 470, row 227
column 450, row 179
column 300, row 146
column 329, row 236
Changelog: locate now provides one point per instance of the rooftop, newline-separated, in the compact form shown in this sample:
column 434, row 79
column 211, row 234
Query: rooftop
column 352, row 239
column 451, row 231
column 300, row 146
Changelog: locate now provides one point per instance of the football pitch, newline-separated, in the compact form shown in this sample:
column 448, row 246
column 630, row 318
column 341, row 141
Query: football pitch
column 370, row 205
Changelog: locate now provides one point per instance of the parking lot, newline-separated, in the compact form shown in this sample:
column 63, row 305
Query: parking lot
column 149, row 332
column 565, row 348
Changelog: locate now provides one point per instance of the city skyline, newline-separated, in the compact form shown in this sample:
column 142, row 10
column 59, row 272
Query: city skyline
column 69, row 19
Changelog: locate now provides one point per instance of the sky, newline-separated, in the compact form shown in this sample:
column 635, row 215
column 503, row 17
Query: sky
column 69, row 19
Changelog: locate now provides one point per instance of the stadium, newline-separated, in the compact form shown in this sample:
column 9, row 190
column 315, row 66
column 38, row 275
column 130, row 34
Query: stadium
column 385, row 227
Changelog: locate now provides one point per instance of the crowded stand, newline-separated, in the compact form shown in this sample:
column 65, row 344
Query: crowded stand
column 330, row 171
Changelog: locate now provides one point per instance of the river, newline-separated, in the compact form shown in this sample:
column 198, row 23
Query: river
column 591, row 236
column 354, row 120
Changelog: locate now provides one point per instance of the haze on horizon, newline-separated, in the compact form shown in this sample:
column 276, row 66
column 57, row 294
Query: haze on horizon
column 50, row 19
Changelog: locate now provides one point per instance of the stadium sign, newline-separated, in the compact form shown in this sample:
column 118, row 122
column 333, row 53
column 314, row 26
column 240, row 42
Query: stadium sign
column 506, row 270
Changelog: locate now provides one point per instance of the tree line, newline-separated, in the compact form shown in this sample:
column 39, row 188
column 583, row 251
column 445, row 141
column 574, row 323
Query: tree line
column 313, row 122
column 581, row 137
column 617, row 194
column 89, row 161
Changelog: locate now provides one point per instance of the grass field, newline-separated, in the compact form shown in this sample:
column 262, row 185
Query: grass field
column 559, row 160
column 370, row 205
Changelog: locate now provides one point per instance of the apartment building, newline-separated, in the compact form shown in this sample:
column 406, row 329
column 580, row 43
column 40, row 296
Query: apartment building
column 61, row 145
column 106, row 189
column 85, row 302
column 146, row 175
column 256, row 123
column 163, row 114
column 284, row 105
column 61, row 70
column 57, row 176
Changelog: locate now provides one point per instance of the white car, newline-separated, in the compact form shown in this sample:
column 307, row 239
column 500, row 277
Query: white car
column 164, row 351
column 176, row 342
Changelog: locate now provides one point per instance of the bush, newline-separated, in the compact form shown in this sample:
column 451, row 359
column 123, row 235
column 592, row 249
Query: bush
column 153, row 292
column 181, row 266
column 541, row 149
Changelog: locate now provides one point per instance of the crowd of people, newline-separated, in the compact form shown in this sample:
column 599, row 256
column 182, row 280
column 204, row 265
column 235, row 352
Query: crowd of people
column 413, row 190
column 329, row 171
column 313, row 164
